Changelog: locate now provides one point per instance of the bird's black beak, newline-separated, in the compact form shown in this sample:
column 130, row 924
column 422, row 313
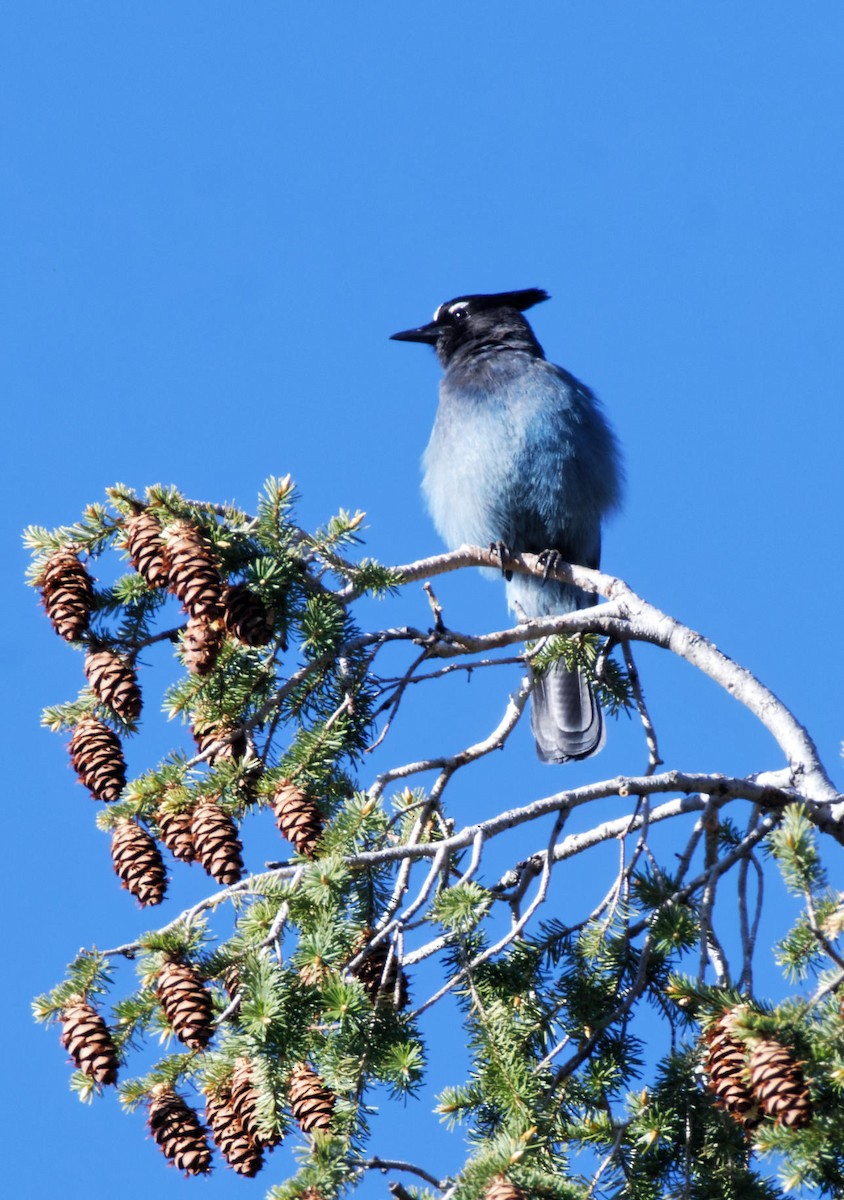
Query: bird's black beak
column 425, row 333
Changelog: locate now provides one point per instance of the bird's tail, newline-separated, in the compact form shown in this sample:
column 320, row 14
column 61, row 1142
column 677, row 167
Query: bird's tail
column 566, row 717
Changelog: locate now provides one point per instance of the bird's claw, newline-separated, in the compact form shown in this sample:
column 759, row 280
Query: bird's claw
column 501, row 551
column 549, row 560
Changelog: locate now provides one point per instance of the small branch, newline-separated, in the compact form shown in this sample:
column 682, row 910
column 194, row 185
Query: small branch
column 393, row 704
column 586, row 1047
column 513, row 933
column 710, row 948
column 495, row 741
column 606, row 1162
column 450, row 668
column 748, row 933
column 246, row 887
column 654, row 758
column 818, row 934
column 395, row 1164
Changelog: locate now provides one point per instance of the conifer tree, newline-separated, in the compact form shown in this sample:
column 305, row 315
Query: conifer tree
column 621, row 1054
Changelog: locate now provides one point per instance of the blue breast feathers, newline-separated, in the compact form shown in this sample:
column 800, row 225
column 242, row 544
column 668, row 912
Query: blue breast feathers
column 521, row 453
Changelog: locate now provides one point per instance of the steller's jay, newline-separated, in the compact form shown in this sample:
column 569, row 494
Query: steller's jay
column 521, row 457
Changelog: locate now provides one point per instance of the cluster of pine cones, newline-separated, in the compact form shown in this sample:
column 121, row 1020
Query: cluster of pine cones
column 230, row 1113
column 752, row 1082
column 181, row 559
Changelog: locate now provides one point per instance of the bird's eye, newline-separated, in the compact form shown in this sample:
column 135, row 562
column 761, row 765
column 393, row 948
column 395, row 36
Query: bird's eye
column 458, row 311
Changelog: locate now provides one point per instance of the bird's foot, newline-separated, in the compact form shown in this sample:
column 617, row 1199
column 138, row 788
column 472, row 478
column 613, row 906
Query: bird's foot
column 501, row 551
column 549, row 560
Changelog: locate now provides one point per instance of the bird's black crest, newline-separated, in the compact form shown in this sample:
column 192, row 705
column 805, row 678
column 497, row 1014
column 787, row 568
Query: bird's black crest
column 484, row 302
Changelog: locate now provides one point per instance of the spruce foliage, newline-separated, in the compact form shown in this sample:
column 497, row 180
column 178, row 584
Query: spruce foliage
column 606, row 1052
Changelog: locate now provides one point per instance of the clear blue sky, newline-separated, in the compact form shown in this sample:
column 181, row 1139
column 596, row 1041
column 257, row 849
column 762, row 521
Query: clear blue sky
column 212, row 217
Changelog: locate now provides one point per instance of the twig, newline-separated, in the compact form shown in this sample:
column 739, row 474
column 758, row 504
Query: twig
column 393, row 704
column 494, row 741
column 654, row 758
column 710, row 948
column 513, row 933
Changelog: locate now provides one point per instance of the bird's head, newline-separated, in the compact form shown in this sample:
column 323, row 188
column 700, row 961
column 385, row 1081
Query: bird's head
column 479, row 322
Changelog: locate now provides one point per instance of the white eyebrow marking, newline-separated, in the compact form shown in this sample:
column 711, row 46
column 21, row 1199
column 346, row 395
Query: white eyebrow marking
column 459, row 306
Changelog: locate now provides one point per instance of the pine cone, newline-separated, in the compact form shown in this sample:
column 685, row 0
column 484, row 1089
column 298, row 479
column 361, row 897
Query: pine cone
column 232, row 742
column 243, row 1097
column 194, row 575
column 298, row 817
column 147, row 552
column 86, row 1037
column 777, row 1082
column 383, row 983
column 726, row 1063
column 202, row 642
column 114, row 683
column 138, row 863
column 234, row 1143
column 310, row 1100
column 97, row 758
column 246, row 618
column 231, row 980
column 178, row 1131
column 244, row 1101
column 176, row 831
column 67, row 591
column 216, row 842
column 186, row 1004
column 501, row 1188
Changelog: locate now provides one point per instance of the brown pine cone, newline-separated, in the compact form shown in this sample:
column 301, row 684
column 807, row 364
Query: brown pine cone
column 194, row 575
column 239, row 1150
column 777, row 1082
column 86, row 1037
column 230, row 742
column 147, row 552
column 178, row 1131
column 176, row 831
column 216, row 842
column 138, row 863
column 202, row 641
column 96, row 756
column 247, row 618
column 726, row 1067
column 501, row 1188
column 230, row 979
column 186, row 1004
column 114, row 683
column 383, row 983
column 243, row 1098
column 67, row 592
column 311, row 1102
column 298, row 817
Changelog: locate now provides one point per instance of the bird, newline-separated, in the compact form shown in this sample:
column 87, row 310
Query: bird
column 522, row 458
